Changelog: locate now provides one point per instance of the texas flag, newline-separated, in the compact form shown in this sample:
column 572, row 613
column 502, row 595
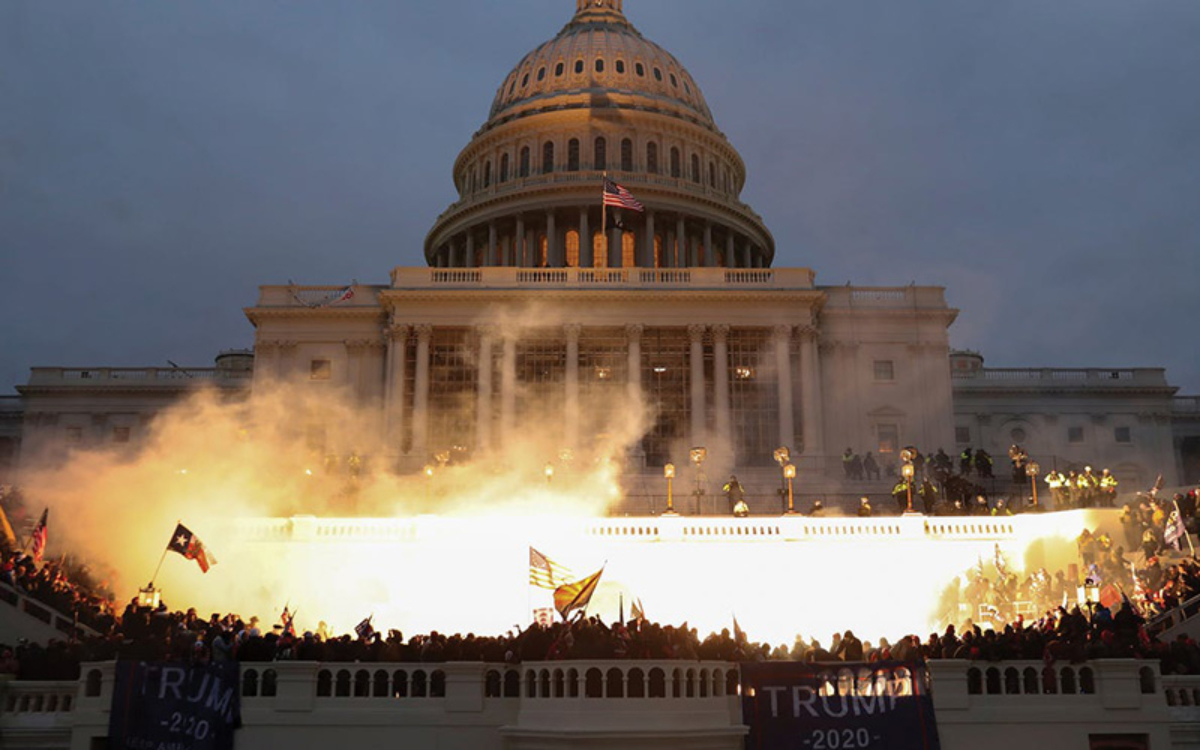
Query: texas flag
column 189, row 545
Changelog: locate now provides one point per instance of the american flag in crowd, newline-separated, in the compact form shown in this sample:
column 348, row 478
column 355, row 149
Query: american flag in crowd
column 544, row 572
column 39, row 536
column 618, row 197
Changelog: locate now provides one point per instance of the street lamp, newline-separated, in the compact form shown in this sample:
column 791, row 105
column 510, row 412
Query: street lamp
column 669, row 475
column 908, row 471
column 1032, row 469
column 428, row 470
column 789, row 473
column 697, row 456
column 549, row 473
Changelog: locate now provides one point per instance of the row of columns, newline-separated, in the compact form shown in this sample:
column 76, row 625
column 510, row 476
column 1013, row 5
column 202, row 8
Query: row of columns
column 521, row 248
column 810, row 373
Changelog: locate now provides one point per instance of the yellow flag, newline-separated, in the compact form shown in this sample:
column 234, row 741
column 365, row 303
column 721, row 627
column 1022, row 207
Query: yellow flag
column 6, row 529
column 576, row 595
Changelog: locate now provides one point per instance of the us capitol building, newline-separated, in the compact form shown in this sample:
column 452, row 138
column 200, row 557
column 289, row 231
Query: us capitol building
column 537, row 305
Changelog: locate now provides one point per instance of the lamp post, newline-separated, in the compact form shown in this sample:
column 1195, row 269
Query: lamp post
column 428, row 470
column 789, row 473
column 908, row 471
column 669, row 475
column 697, row 456
column 549, row 470
column 782, row 457
column 1032, row 469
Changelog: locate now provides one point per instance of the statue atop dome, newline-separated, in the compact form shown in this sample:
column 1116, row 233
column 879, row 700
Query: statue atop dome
column 582, row 5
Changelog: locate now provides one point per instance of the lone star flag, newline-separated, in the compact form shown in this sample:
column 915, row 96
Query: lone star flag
column 187, row 544
column 544, row 572
column 618, row 197
column 576, row 595
column 40, row 534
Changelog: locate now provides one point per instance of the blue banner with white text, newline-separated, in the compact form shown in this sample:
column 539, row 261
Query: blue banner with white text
column 876, row 706
column 174, row 706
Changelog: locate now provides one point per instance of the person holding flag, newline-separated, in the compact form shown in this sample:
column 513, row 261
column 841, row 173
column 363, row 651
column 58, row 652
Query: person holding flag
column 40, row 536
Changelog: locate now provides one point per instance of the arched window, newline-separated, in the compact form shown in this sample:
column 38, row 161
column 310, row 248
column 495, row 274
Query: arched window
column 712, row 175
column 695, row 168
column 524, row 80
column 558, row 70
column 599, row 64
column 542, row 73
column 524, row 162
column 487, row 174
column 504, row 168
column 547, row 157
column 578, row 67
column 652, row 158
column 621, row 67
column 512, row 85
column 573, row 155
column 600, row 155
column 675, row 169
column 674, row 82
column 639, row 69
column 473, row 175
column 657, row 75
column 627, row 155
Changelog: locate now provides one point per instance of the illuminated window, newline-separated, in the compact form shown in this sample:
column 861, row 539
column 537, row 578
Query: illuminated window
column 885, row 369
column 753, row 400
column 120, row 435
column 320, row 369
column 572, row 242
column 889, row 437
column 1123, row 435
column 628, row 249
column 743, row 373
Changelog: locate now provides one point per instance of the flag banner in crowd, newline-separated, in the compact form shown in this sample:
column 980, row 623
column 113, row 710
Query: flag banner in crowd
column 790, row 705
column 40, row 536
column 6, row 529
column 1110, row 597
column 545, row 573
column 618, row 197
column 364, row 629
column 175, row 705
column 576, row 595
column 636, row 611
column 189, row 545
column 544, row 616
column 739, row 635
column 1175, row 531
column 288, row 619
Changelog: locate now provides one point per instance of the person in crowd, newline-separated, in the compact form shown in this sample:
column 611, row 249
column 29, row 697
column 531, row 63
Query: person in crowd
column 864, row 507
column 965, row 461
column 929, row 495
column 870, row 466
column 818, row 509
column 847, row 462
column 734, row 494
column 900, row 495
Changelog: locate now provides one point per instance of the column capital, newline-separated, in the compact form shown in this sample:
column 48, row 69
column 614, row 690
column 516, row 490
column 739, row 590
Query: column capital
column 808, row 333
column 572, row 330
column 782, row 331
column 633, row 331
column 696, row 332
column 358, row 345
column 720, row 332
column 424, row 332
column 398, row 332
column 487, row 330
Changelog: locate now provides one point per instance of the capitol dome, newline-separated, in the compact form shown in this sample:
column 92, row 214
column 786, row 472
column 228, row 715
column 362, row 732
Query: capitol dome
column 597, row 100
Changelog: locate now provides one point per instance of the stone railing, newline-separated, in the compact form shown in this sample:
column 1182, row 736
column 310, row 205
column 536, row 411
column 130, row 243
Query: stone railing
column 172, row 377
column 614, row 278
column 319, row 297
column 1186, row 405
column 49, row 620
column 1089, row 377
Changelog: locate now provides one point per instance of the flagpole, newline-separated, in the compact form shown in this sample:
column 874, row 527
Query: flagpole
column 604, row 217
column 166, row 549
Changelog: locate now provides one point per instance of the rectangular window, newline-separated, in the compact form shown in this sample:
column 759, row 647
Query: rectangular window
column 321, row 369
column 885, row 369
column 889, row 438
column 1074, row 434
column 962, row 435
column 1123, row 435
column 120, row 434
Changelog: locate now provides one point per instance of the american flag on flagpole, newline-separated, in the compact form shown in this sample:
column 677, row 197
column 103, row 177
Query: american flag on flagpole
column 618, row 197
column 545, row 573
column 40, row 534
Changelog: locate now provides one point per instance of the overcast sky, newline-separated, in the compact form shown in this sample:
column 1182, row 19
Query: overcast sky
column 160, row 160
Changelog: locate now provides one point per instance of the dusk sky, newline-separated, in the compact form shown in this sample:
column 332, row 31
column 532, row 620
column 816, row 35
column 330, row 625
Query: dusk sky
column 1040, row 159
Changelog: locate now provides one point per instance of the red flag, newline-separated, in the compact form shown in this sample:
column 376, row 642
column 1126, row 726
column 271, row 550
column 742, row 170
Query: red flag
column 576, row 595
column 189, row 545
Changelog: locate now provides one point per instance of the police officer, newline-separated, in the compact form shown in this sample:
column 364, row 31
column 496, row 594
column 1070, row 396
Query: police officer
column 1108, row 489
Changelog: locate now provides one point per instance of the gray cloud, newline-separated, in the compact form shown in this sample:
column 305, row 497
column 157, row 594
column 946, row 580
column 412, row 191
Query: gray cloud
column 158, row 161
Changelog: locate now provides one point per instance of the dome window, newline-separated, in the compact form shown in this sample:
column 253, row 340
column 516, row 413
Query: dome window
column 524, row 169
column 640, row 70
column 627, row 155
column 674, row 82
column 600, row 154
column 504, row 168
column 578, row 67
column 487, row 175
column 621, row 67
column 558, row 70
column 599, row 64
column 687, row 88
column 658, row 75
column 542, row 73
column 675, row 169
column 525, row 81
column 573, row 155
column 512, row 87
column 695, row 169
column 652, row 158
column 548, row 157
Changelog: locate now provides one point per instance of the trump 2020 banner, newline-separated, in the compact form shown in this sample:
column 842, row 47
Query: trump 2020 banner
column 174, row 706
column 879, row 706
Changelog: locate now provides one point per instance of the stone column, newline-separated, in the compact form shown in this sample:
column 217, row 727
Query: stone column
column 730, row 260
column 483, row 384
column 586, row 257
column 648, row 251
column 420, row 438
column 669, row 250
column 508, row 388
column 397, row 336
column 633, row 335
column 721, row 383
column 783, row 369
column 572, row 331
column 519, row 244
column 469, row 260
column 710, row 252
column 551, row 241
column 745, row 251
column 813, row 424
column 492, row 254
column 696, row 359
column 681, row 259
